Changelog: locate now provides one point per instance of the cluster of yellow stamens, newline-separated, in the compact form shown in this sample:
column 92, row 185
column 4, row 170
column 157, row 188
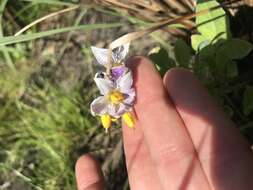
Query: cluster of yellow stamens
column 116, row 97
column 127, row 117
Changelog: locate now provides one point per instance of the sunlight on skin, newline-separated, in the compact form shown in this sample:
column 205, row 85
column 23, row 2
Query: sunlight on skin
column 141, row 170
column 223, row 152
column 169, row 144
column 194, row 147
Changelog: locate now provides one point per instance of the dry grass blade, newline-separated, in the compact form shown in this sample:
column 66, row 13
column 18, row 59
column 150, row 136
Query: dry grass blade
column 121, row 5
column 179, row 6
column 44, row 18
column 152, row 10
column 138, row 34
column 155, row 7
column 135, row 35
column 249, row 2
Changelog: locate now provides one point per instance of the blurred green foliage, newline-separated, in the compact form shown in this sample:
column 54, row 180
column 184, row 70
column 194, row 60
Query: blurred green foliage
column 40, row 131
column 42, row 125
column 248, row 100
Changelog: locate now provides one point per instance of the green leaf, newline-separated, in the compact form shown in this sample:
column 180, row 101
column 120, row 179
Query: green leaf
column 196, row 40
column 183, row 53
column 234, row 49
column 231, row 69
column 207, row 52
column 161, row 59
column 26, row 37
column 205, row 61
column 228, row 52
column 214, row 24
column 248, row 100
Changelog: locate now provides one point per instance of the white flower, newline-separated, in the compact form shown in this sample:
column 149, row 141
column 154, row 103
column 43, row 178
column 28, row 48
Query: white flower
column 117, row 96
column 118, row 54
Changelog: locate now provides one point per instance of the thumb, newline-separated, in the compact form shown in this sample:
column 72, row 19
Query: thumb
column 88, row 174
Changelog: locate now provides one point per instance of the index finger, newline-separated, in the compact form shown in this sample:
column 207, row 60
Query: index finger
column 167, row 139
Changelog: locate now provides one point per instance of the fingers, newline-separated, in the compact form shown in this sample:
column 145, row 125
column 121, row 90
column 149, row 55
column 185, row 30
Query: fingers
column 225, row 156
column 141, row 170
column 88, row 174
column 168, row 142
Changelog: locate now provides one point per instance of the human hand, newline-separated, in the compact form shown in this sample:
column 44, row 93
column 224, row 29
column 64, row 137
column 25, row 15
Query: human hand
column 182, row 139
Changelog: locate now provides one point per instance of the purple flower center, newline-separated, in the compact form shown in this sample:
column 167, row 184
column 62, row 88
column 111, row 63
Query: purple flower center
column 117, row 72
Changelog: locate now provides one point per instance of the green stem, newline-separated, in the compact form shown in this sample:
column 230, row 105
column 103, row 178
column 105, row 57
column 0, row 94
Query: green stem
column 2, row 47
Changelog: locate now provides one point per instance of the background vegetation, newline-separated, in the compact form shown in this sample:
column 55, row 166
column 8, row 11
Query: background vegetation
column 46, row 78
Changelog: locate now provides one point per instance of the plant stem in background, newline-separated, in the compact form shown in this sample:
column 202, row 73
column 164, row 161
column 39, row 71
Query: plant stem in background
column 44, row 18
column 5, row 52
column 26, row 37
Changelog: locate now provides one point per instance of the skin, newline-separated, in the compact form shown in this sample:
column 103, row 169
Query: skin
column 182, row 139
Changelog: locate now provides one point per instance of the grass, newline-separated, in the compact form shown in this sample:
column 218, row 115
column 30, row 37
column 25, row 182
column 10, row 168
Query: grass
column 5, row 52
column 42, row 125
column 41, row 129
column 28, row 37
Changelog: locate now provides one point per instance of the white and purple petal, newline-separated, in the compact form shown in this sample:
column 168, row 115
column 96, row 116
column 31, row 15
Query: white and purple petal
column 104, row 85
column 124, row 83
column 120, row 53
column 123, row 108
column 112, row 110
column 101, row 55
column 129, row 97
column 118, row 71
column 117, row 110
column 99, row 106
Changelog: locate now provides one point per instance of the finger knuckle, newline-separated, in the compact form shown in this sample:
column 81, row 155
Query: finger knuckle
column 173, row 153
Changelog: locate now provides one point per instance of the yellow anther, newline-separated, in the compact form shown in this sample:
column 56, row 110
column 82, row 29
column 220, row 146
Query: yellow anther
column 128, row 118
column 114, row 119
column 106, row 121
column 116, row 97
column 116, row 64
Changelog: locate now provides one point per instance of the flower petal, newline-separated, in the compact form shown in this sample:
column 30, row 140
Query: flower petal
column 101, row 55
column 125, row 82
column 99, row 106
column 117, row 110
column 122, row 109
column 118, row 71
column 130, row 97
column 112, row 110
column 120, row 53
column 104, row 85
